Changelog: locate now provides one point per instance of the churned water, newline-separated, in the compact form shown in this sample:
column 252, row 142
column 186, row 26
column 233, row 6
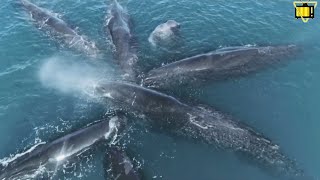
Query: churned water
column 282, row 103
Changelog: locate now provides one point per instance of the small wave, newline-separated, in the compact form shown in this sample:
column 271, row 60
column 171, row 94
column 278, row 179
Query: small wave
column 113, row 131
column 5, row 161
column 17, row 67
column 35, row 174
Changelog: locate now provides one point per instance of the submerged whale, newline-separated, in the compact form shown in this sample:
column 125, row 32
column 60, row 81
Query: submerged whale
column 118, row 165
column 51, row 155
column 199, row 123
column 60, row 29
column 118, row 26
column 217, row 65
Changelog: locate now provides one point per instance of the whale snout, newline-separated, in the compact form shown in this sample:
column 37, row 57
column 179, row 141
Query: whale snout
column 178, row 25
column 174, row 25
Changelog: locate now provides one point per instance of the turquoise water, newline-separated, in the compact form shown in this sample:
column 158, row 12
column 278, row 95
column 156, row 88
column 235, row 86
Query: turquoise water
column 282, row 103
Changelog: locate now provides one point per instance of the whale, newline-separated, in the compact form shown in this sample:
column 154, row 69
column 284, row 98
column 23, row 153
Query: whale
column 118, row 27
column 164, row 33
column 222, row 64
column 199, row 124
column 118, row 165
column 55, row 26
column 53, row 154
column 164, row 110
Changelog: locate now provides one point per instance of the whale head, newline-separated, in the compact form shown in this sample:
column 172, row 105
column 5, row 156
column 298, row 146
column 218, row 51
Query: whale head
column 173, row 25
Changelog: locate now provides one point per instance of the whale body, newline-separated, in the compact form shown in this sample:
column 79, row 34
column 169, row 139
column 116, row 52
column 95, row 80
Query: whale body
column 60, row 29
column 218, row 65
column 198, row 123
column 51, row 155
column 118, row 26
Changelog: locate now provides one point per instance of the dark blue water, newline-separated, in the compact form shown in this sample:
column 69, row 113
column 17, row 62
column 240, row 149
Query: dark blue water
column 282, row 103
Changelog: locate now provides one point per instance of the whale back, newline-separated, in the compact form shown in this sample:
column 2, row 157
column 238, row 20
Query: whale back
column 36, row 12
column 139, row 98
column 118, row 27
column 218, row 65
column 220, row 130
column 25, row 163
column 52, row 154
column 162, row 110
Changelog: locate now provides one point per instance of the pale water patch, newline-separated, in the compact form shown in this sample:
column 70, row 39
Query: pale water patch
column 69, row 76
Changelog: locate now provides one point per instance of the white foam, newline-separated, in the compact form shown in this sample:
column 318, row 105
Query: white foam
column 108, row 95
column 6, row 161
column 192, row 119
column 41, row 170
column 112, row 127
column 113, row 130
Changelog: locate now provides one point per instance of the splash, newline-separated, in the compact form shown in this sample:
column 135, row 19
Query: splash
column 38, row 172
column 68, row 76
column 5, row 161
column 113, row 130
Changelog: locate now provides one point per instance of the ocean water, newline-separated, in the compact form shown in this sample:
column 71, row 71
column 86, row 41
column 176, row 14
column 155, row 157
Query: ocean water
column 282, row 103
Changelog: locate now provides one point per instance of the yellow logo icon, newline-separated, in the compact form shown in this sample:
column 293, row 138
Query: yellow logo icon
column 304, row 10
